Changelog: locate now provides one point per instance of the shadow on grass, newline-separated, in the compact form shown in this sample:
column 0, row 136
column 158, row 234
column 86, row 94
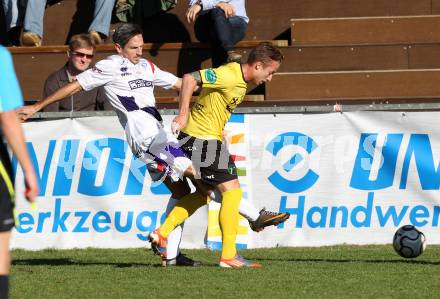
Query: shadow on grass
column 71, row 262
column 394, row 261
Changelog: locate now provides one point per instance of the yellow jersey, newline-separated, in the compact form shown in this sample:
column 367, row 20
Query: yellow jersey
column 223, row 88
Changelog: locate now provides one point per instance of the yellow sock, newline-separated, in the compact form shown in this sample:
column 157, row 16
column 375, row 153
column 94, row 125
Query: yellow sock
column 228, row 219
column 184, row 208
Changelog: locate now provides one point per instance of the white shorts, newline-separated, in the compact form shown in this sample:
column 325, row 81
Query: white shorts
column 158, row 148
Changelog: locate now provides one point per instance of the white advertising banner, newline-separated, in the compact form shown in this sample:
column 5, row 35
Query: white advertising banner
column 93, row 191
column 344, row 177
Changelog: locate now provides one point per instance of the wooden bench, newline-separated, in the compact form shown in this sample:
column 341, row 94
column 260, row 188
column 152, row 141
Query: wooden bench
column 268, row 19
column 34, row 64
column 355, row 85
column 181, row 58
column 366, row 31
column 369, row 57
column 337, row 58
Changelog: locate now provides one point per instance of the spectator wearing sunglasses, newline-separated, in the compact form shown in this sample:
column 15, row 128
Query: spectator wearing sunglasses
column 79, row 58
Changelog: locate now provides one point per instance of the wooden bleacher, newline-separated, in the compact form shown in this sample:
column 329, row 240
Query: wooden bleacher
column 346, row 86
column 361, row 59
column 336, row 58
column 33, row 65
column 269, row 19
column 335, row 50
column 371, row 57
column 366, row 30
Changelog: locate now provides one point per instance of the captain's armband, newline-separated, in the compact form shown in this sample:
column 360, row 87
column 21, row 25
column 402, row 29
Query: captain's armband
column 196, row 76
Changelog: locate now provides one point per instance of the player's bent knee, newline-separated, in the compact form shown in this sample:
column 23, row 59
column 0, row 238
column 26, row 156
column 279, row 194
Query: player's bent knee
column 178, row 188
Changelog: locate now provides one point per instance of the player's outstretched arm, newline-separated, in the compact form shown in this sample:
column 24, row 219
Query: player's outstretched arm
column 189, row 84
column 65, row 91
column 14, row 135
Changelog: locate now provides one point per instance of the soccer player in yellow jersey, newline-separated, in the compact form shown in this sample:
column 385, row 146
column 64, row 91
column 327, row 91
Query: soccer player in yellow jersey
column 222, row 89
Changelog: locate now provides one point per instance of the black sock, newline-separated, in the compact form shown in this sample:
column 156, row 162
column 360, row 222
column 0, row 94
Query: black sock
column 4, row 286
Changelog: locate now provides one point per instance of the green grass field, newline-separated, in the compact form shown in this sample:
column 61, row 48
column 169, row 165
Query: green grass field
column 330, row 272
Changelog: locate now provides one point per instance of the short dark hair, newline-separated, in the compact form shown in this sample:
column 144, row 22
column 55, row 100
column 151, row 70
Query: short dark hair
column 265, row 52
column 81, row 40
column 125, row 32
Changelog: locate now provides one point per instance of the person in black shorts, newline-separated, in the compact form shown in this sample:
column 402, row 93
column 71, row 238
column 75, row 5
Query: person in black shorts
column 10, row 99
column 212, row 168
column 202, row 128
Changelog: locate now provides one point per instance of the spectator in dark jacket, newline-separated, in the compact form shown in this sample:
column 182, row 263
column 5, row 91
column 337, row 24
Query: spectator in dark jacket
column 80, row 57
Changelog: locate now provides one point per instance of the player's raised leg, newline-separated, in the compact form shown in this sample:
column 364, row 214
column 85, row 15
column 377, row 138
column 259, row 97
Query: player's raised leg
column 258, row 219
column 174, row 256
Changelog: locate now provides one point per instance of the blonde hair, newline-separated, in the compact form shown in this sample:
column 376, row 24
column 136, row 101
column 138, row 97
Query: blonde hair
column 81, row 41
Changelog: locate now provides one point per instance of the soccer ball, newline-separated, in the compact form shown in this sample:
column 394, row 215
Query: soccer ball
column 409, row 242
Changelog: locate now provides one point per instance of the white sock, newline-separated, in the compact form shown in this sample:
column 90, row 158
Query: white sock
column 175, row 236
column 246, row 209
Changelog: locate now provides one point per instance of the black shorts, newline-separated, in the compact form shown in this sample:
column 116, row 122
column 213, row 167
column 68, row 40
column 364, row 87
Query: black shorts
column 210, row 158
column 6, row 203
